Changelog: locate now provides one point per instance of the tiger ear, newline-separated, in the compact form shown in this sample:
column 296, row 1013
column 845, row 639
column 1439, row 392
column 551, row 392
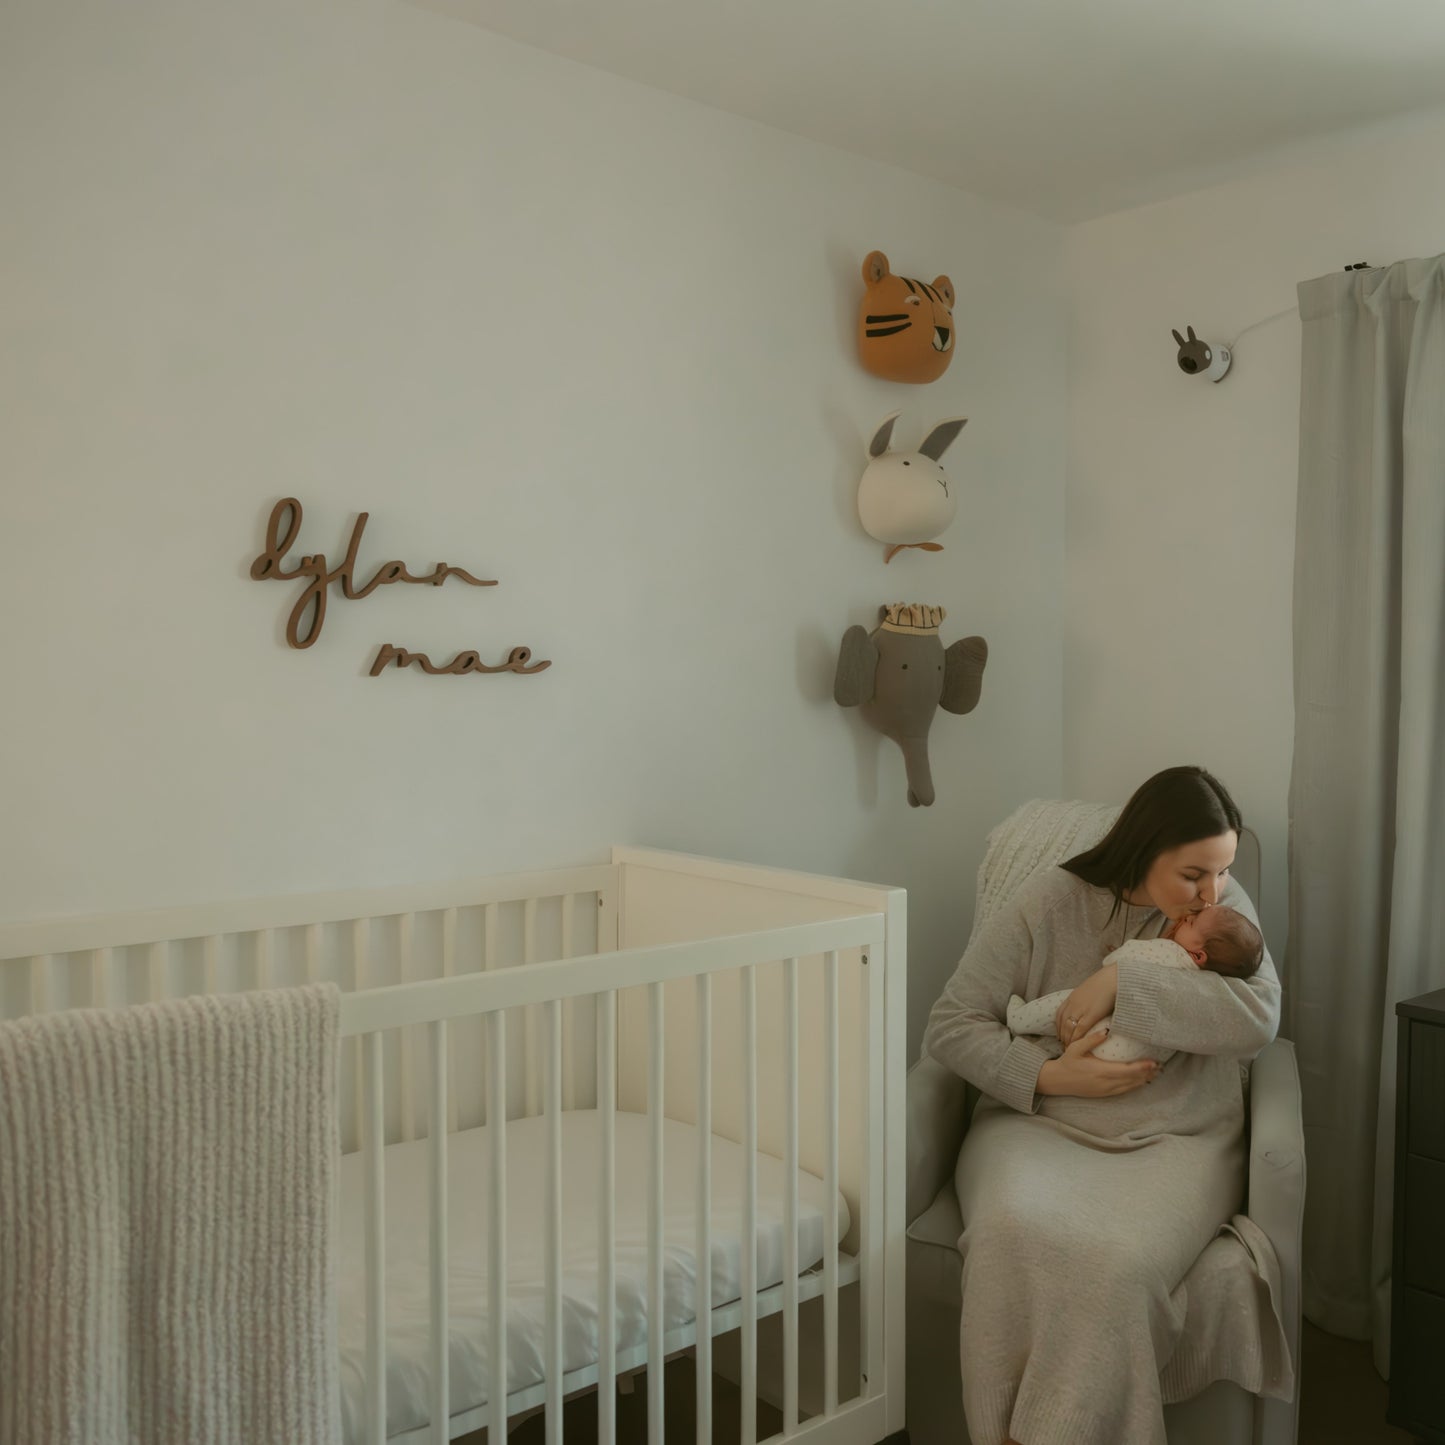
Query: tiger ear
column 944, row 287
column 875, row 268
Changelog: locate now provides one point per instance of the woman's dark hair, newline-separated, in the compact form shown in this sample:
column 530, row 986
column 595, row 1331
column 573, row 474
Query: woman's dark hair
column 1175, row 807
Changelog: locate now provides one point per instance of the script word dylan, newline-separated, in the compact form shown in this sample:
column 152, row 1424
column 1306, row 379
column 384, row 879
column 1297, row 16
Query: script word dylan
column 318, row 577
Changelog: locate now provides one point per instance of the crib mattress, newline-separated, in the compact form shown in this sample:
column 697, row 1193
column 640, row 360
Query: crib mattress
column 407, row 1253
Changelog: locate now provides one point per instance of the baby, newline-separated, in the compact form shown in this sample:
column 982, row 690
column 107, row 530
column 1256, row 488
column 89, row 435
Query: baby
column 1222, row 940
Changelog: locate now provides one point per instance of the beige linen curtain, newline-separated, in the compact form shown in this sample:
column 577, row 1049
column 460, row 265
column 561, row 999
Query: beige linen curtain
column 1367, row 792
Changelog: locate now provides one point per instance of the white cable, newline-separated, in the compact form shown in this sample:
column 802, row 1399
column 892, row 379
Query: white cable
column 1290, row 311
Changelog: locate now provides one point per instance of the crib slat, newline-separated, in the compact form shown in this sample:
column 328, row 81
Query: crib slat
column 265, row 955
column 437, row 1152
column 489, row 936
column 405, row 926
column 749, row 1325
column 375, row 1241
column 40, row 983
column 704, row 1210
column 870, row 1283
column 790, row 1197
column 359, row 938
column 569, row 1007
column 656, row 1320
column 311, row 952
column 489, row 961
column 497, row 1254
column 157, row 957
column 531, row 1050
column 830, row 1183
column 553, row 1104
column 607, row 1220
column 100, row 976
column 211, row 962
column 449, row 967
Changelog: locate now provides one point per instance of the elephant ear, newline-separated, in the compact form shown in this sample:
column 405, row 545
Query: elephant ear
column 857, row 663
column 963, row 665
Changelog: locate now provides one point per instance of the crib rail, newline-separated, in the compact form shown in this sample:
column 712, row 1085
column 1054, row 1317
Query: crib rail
column 708, row 965
column 377, row 1009
column 357, row 940
column 253, row 915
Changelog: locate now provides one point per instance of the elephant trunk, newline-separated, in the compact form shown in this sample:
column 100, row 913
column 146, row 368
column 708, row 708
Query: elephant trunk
column 920, row 775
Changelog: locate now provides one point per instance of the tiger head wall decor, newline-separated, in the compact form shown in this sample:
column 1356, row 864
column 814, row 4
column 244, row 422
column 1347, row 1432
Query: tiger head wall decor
column 905, row 327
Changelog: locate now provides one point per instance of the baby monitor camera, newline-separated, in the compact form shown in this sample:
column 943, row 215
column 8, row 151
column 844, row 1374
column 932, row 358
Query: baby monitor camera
column 1199, row 358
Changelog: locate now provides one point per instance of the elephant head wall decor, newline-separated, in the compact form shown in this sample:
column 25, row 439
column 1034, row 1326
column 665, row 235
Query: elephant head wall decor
column 901, row 673
column 904, row 497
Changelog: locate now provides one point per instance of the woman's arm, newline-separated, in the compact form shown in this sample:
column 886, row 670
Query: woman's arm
column 1196, row 1011
column 966, row 1030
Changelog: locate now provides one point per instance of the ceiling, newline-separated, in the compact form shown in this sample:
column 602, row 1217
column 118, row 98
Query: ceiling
column 1066, row 108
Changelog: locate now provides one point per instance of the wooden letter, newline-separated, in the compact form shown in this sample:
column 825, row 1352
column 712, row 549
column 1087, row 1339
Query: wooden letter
column 268, row 566
column 463, row 662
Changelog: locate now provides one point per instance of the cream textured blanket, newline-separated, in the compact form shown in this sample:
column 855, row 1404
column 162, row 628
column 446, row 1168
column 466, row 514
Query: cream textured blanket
column 165, row 1222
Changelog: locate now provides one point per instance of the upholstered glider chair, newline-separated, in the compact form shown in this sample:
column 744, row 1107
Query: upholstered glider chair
column 1039, row 835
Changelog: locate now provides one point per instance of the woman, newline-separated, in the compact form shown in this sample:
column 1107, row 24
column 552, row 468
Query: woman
column 1089, row 1188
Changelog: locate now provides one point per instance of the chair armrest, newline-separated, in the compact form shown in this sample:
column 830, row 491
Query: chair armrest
column 1276, row 1145
column 1277, row 1184
column 937, row 1121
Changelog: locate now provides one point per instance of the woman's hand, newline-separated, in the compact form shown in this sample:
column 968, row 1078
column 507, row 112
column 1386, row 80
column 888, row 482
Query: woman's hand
column 1081, row 1074
column 1088, row 1005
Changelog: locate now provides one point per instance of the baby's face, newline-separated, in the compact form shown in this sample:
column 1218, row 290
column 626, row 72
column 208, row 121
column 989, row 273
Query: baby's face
column 1193, row 931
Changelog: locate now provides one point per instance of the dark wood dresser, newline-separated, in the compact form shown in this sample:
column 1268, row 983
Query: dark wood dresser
column 1417, row 1309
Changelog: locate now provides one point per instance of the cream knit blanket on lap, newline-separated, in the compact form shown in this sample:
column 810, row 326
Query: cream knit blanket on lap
column 165, row 1222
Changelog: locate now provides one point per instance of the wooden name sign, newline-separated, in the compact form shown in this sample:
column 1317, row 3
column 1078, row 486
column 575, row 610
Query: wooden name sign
column 319, row 578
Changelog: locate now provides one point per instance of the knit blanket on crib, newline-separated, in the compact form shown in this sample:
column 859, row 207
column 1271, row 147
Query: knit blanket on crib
column 166, row 1181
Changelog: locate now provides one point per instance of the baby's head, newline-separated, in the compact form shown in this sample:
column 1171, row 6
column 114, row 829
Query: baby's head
column 1222, row 940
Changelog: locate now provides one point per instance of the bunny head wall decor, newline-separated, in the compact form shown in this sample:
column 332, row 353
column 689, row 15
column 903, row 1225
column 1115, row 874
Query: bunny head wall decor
column 905, row 498
column 901, row 674
column 905, row 327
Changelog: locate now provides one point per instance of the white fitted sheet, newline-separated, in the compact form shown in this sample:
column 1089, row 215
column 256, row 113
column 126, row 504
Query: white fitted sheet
column 407, row 1260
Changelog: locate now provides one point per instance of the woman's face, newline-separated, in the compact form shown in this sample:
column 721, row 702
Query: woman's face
column 1187, row 879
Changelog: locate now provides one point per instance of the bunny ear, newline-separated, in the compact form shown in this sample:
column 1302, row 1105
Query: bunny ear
column 937, row 441
column 1192, row 336
column 1177, row 337
column 883, row 435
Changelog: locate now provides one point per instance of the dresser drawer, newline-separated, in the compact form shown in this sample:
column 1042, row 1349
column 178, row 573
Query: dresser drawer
column 1427, row 1090
column 1416, row 1402
column 1424, row 1225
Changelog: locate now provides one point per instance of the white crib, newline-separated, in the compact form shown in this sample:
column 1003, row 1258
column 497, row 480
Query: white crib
column 561, row 1025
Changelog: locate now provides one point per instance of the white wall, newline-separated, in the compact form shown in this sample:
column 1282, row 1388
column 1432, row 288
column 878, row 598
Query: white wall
column 1181, row 492
column 568, row 332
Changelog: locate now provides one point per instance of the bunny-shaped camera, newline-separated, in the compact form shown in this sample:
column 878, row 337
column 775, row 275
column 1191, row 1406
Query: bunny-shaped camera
column 1198, row 358
column 905, row 498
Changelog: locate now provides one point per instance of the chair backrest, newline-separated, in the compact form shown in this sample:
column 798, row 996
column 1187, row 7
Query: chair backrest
column 1037, row 835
